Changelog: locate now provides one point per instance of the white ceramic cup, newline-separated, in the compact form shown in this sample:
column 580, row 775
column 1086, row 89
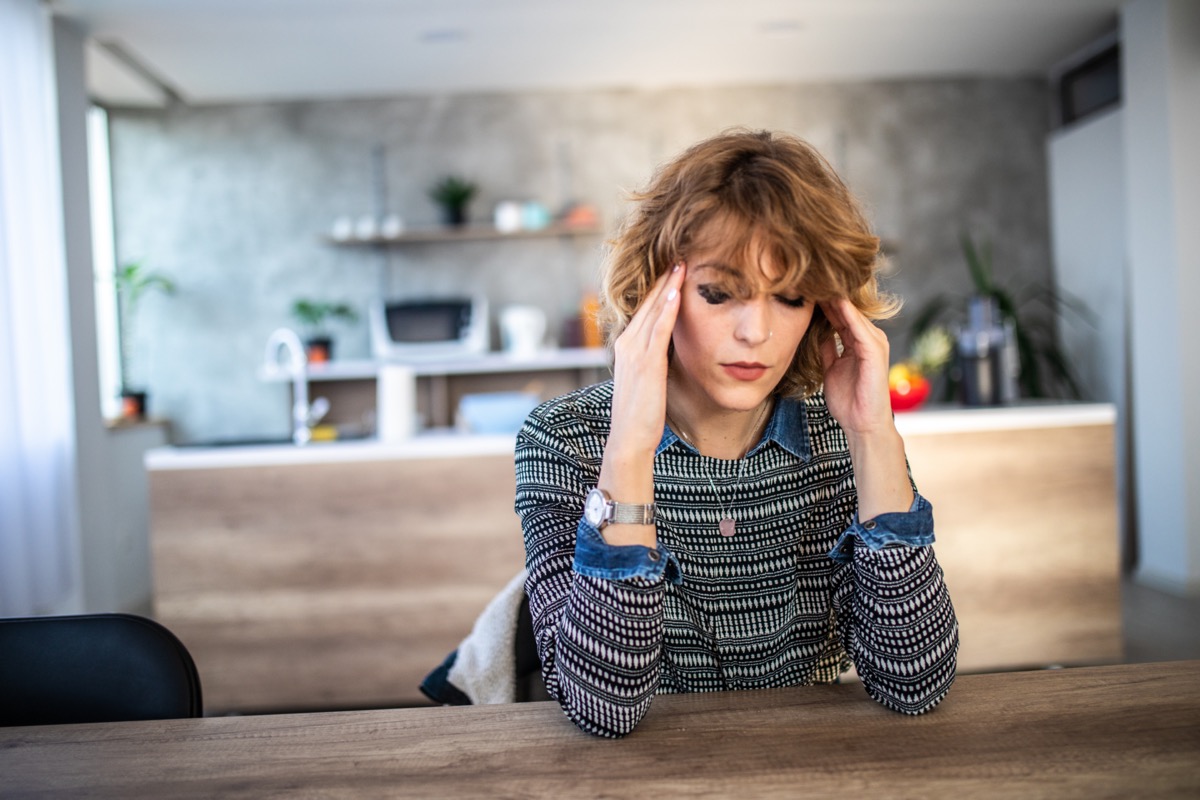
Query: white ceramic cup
column 507, row 216
column 522, row 329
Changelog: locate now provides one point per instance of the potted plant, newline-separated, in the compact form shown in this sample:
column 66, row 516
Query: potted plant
column 132, row 282
column 453, row 194
column 314, row 316
column 1043, row 369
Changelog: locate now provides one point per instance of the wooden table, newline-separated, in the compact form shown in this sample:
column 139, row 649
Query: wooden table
column 1117, row 731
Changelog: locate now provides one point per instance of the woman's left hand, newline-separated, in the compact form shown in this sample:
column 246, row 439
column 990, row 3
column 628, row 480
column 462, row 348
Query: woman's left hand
column 856, row 388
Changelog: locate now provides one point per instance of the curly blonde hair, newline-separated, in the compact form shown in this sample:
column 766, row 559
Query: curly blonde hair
column 773, row 196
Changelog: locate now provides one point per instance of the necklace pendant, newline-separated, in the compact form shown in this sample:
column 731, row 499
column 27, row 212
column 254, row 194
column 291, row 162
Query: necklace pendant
column 728, row 526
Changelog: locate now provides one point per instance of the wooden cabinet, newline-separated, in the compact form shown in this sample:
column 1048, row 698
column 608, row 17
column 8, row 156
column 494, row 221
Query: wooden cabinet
column 329, row 585
column 334, row 578
column 1027, row 535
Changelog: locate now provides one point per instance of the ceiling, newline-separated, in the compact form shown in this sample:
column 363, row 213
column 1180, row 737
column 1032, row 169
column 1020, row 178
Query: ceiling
column 221, row 51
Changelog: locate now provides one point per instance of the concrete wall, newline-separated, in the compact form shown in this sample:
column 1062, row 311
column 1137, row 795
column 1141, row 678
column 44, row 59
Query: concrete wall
column 232, row 202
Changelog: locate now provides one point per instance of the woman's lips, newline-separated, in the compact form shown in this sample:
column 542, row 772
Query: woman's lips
column 745, row 371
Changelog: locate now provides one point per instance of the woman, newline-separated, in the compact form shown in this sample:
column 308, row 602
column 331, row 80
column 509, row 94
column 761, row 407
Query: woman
column 733, row 509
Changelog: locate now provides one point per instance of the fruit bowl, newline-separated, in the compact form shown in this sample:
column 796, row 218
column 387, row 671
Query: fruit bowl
column 908, row 388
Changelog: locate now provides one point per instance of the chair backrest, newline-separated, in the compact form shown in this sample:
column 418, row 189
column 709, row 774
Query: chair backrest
column 94, row 668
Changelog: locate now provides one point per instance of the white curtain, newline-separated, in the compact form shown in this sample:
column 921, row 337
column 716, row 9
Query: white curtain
column 38, row 506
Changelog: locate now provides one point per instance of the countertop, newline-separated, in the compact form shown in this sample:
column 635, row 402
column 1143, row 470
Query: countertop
column 444, row 443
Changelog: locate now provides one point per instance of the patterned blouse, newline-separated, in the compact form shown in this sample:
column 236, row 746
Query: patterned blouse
column 801, row 592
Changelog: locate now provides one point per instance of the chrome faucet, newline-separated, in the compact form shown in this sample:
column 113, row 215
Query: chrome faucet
column 296, row 366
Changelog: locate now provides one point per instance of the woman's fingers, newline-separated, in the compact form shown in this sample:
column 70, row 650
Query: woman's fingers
column 640, row 371
column 859, row 336
column 664, row 290
column 657, row 312
column 856, row 379
column 667, row 310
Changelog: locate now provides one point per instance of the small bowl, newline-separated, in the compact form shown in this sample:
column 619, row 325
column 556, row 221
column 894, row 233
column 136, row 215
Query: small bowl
column 908, row 395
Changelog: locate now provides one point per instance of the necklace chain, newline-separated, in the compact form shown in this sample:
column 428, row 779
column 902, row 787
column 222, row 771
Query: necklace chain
column 728, row 525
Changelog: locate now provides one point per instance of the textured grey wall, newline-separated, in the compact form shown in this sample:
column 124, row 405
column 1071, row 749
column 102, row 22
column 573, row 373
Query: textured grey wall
column 232, row 202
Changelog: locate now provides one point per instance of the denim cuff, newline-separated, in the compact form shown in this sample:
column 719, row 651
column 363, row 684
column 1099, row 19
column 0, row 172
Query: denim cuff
column 912, row 528
column 597, row 558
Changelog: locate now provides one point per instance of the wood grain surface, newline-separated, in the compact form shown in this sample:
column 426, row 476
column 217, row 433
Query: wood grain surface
column 329, row 585
column 341, row 585
column 1095, row 732
column 1027, row 536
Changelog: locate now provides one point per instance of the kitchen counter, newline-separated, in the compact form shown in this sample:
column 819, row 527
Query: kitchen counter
column 447, row 443
column 444, row 443
column 1030, row 414
column 285, row 568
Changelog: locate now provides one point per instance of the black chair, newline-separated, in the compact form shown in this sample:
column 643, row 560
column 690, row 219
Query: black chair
column 530, row 687
column 94, row 668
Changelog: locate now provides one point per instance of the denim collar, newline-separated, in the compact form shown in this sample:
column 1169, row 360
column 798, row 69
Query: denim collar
column 788, row 428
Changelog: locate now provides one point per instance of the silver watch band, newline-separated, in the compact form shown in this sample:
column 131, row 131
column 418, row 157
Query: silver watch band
column 633, row 514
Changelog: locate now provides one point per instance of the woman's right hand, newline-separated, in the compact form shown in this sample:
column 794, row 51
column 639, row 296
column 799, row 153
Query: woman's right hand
column 640, row 368
column 640, row 404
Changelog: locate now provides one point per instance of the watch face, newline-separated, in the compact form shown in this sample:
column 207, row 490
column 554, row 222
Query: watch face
column 593, row 508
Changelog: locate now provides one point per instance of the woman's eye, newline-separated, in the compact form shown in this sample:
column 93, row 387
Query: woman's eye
column 712, row 295
column 794, row 302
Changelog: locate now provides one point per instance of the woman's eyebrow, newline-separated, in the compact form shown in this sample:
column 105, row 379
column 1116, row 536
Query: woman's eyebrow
column 718, row 266
column 739, row 278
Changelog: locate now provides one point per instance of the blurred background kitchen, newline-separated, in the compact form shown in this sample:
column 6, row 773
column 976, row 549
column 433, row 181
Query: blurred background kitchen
column 190, row 178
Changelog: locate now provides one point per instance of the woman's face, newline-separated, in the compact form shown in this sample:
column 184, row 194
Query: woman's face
column 734, row 339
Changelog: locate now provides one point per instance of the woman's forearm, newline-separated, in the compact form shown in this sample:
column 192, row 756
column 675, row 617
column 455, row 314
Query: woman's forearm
column 628, row 477
column 880, row 473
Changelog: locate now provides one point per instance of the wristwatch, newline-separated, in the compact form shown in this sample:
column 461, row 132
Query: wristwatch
column 600, row 510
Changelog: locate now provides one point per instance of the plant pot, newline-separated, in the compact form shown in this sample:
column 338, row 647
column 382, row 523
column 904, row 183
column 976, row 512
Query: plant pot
column 454, row 216
column 319, row 350
column 133, row 405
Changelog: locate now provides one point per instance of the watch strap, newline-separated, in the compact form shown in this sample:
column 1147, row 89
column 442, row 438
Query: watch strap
column 632, row 513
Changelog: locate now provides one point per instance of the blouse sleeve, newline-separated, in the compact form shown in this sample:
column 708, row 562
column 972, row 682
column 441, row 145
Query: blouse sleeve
column 894, row 612
column 599, row 639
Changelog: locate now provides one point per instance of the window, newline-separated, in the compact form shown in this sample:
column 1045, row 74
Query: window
column 104, row 263
column 1092, row 86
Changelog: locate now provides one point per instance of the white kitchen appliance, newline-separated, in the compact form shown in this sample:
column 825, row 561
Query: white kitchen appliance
column 429, row 329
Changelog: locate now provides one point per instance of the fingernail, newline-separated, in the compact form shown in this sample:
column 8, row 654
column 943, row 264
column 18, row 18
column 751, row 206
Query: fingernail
column 671, row 294
column 675, row 268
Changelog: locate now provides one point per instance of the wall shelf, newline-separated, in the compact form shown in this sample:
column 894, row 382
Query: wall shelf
column 471, row 233
column 493, row 363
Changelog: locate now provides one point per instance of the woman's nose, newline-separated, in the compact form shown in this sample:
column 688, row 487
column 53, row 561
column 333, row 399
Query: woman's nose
column 754, row 323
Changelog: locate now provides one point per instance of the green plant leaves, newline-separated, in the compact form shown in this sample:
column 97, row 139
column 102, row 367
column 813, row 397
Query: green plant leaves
column 1033, row 311
column 133, row 280
column 314, row 313
column 452, row 191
